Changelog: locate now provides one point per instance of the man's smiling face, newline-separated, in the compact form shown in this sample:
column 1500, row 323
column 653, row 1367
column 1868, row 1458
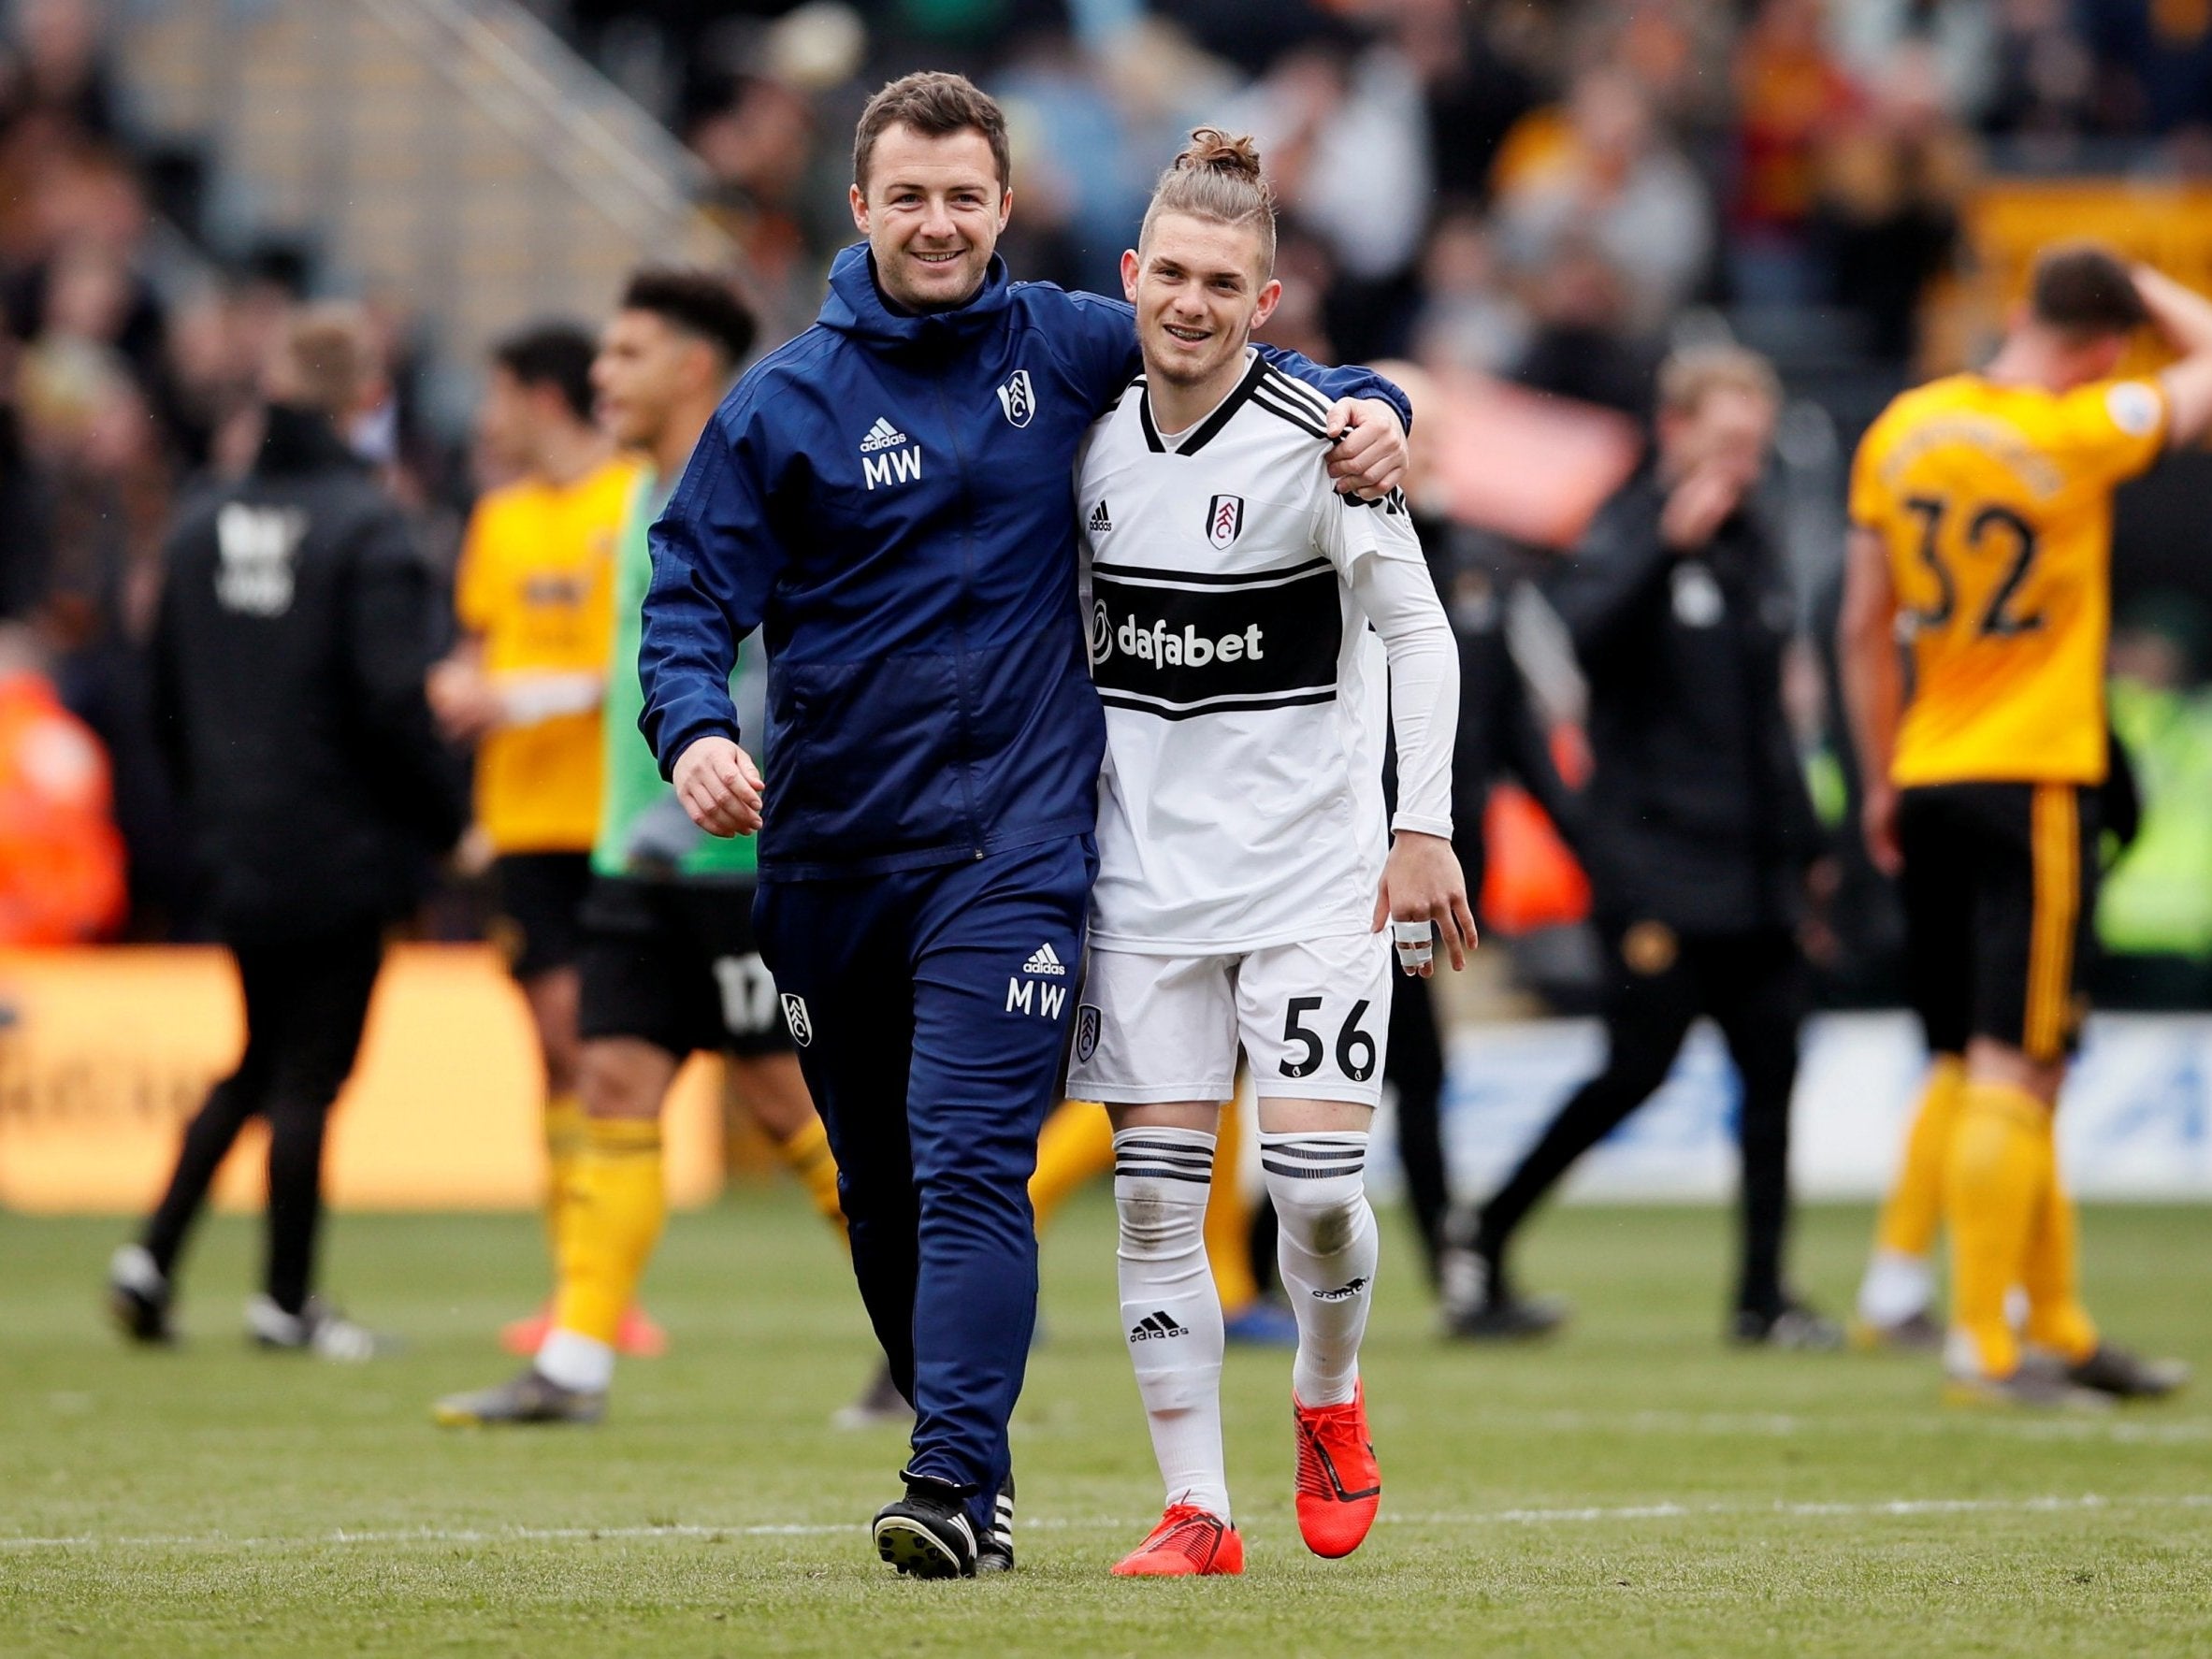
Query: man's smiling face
column 932, row 211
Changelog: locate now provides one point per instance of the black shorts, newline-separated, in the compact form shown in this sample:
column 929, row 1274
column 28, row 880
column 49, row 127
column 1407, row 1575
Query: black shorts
column 2000, row 892
column 540, row 897
column 675, row 964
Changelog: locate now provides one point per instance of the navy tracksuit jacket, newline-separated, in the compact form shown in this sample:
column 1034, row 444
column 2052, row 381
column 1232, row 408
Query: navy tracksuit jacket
column 890, row 498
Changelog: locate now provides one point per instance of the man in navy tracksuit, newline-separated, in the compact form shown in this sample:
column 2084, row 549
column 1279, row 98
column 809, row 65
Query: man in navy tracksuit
column 888, row 496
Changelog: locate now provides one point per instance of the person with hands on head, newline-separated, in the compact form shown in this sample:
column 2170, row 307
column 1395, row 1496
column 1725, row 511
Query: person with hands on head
column 886, row 497
column 1696, row 829
column 1979, row 564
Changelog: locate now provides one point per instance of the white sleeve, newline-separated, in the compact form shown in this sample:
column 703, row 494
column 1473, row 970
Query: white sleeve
column 1381, row 556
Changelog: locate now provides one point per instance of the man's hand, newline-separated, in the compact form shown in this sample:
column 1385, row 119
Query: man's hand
column 1369, row 453
column 1422, row 884
column 1698, row 507
column 462, row 701
column 1877, row 817
column 719, row 787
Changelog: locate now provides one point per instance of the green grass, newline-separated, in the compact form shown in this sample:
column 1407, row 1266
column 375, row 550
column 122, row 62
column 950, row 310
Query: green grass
column 1633, row 1489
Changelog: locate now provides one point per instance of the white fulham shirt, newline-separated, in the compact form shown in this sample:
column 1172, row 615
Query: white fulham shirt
column 1230, row 591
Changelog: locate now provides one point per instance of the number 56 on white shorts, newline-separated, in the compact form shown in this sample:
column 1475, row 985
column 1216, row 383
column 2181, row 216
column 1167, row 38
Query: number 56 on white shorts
column 1313, row 1017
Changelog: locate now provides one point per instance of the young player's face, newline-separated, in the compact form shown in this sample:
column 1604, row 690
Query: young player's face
column 1198, row 294
column 643, row 368
column 932, row 213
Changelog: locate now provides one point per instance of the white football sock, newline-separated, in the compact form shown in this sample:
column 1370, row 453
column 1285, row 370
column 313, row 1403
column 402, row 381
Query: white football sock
column 1896, row 1287
column 1326, row 1245
column 575, row 1360
column 1170, row 1310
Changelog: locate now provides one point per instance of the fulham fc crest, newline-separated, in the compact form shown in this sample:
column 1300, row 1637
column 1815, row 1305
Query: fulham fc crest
column 795, row 1016
column 1086, row 1031
column 1017, row 399
column 1224, row 520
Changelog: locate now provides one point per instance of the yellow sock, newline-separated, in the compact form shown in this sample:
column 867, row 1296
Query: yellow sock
column 1229, row 1219
column 1076, row 1145
column 1998, row 1169
column 564, row 1146
column 621, row 1203
column 808, row 1156
column 2056, row 1317
column 1916, row 1201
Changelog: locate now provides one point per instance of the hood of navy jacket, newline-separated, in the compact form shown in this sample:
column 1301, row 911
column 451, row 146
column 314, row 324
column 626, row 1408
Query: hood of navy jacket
column 888, row 497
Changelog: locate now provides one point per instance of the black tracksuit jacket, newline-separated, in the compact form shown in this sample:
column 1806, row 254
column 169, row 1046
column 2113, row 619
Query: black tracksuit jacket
column 297, row 620
column 1697, row 814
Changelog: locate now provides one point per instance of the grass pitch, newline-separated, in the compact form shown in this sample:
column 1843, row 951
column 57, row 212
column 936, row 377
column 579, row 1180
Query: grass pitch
column 1634, row 1488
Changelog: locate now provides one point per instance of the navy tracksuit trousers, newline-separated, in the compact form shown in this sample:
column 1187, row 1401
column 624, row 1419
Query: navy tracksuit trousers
column 932, row 1031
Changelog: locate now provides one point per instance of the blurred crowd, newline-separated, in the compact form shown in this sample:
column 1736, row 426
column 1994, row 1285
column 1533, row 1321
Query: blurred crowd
column 1551, row 193
column 1521, row 188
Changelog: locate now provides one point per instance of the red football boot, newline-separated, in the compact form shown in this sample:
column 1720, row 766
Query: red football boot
column 1340, row 1487
column 638, row 1336
column 1187, row 1543
column 523, row 1337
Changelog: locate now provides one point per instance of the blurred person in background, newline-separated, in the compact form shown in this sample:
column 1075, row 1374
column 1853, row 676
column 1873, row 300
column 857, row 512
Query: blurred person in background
column 1580, row 344
column 60, row 858
column 295, row 626
column 1697, row 832
column 2154, row 912
column 669, row 963
column 534, row 600
column 1600, row 170
column 1981, row 513
column 1892, row 182
column 1791, row 95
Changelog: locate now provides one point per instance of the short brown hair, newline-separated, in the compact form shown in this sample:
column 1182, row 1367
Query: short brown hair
column 1691, row 375
column 936, row 105
column 1217, row 178
column 2083, row 291
column 330, row 357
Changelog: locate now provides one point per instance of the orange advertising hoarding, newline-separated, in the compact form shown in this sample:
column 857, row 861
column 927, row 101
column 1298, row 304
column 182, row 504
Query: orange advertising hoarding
column 108, row 1050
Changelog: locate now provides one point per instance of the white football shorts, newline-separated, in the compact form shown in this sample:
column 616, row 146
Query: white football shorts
column 1313, row 1020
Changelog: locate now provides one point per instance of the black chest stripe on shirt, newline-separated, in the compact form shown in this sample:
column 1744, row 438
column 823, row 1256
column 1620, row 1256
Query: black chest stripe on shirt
column 1178, row 643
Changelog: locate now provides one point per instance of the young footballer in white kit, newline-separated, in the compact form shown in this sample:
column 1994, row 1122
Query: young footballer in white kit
column 1243, row 883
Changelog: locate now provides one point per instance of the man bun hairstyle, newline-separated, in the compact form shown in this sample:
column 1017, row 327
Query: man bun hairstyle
column 2083, row 291
column 694, row 302
column 556, row 354
column 936, row 105
column 1217, row 178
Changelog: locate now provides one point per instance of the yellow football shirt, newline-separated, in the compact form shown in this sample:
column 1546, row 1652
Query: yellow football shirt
column 536, row 586
column 1994, row 503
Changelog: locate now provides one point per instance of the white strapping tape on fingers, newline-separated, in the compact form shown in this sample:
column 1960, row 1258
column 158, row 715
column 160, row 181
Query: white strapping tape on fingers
column 1416, row 943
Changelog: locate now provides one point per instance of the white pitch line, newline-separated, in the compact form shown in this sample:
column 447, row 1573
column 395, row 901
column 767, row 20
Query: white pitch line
column 1765, row 1425
column 1886, row 1508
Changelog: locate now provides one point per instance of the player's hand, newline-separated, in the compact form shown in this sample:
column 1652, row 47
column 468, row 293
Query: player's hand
column 1422, row 884
column 1369, row 454
column 1877, row 819
column 719, row 787
column 462, row 701
column 1698, row 507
